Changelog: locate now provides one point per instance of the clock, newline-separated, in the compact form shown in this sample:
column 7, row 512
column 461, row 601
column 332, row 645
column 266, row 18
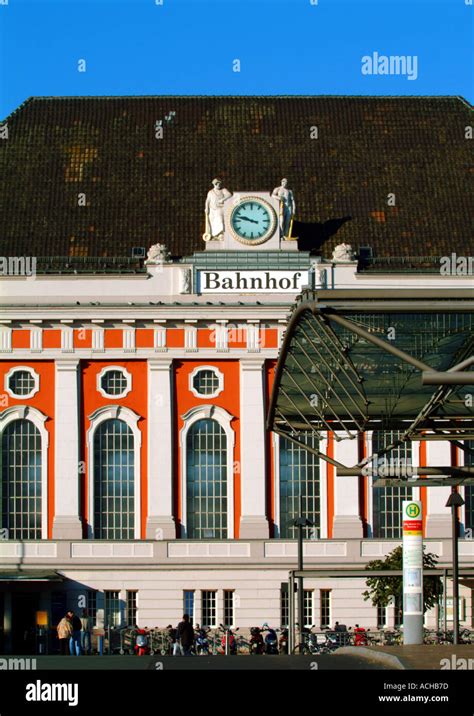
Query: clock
column 252, row 220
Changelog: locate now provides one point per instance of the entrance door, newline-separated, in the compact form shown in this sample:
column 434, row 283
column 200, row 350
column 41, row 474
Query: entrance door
column 24, row 607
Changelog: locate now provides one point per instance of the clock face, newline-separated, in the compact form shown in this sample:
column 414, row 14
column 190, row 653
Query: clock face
column 252, row 221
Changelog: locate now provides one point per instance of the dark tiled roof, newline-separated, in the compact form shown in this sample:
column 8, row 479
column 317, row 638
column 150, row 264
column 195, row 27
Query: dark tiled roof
column 140, row 190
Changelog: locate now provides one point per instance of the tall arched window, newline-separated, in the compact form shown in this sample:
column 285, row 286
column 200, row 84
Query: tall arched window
column 114, row 481
column 299, row 477
column 22, row 480
column 387, row 501
column 206, row 480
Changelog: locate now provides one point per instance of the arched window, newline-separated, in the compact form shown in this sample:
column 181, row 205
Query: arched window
column 22, row 480
column 114, row 481
column 387, row 501
column 206, row 480
column 299, row 477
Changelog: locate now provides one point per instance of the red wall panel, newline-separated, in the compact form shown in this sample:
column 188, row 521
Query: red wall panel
column 21, row 339
column 136, row 400
column 229, row 399
column 43, row 401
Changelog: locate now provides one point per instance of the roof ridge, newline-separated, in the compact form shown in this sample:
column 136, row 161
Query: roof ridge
column 17, row 109
column 384, row 98
column 244, row 96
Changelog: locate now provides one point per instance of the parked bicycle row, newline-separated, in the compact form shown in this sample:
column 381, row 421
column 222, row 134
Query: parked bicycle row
column 205, row 641
column 186, row 640
column 261, row 640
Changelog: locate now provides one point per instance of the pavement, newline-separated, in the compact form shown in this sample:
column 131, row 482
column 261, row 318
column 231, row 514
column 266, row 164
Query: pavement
column 325, row 662
column 425, row 656
column 380, row 658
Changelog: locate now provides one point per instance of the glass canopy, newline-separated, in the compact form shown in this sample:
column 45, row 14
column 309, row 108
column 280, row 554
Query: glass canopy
column 358, row 365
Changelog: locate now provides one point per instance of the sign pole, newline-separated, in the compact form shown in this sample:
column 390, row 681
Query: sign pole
column 291, row 614
column 412, row 572
column 454, row 502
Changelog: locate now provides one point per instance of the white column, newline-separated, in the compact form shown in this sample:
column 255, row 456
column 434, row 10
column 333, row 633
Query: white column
column 129, row 339
column 190, row 336
column 253, row 336
column 222, row 336
column 160, row 336
column 36, row 339
column 253, row 522
column 66, row 524
column 67, row 339
column 5, row 339
column 438, row 516
column 160, row 523
column 98, row 339
column 347, row 520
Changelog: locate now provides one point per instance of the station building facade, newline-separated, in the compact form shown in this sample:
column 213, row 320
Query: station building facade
column 138, row 479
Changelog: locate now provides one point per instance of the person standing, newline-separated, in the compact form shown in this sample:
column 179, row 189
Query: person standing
column 64, row 634
column 86, row 629
column 185, row 635
column 75, row 640
column 174, row 648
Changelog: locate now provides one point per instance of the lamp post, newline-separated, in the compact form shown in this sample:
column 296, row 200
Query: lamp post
column 454, row 501
column 300, row 523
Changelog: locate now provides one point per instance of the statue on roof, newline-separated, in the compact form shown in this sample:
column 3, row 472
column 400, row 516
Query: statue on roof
column 287, row 207
column 157, row 254
column 343, row 252
column 214, row 211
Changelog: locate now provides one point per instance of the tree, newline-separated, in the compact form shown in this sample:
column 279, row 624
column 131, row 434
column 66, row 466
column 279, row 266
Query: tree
column 381, row 590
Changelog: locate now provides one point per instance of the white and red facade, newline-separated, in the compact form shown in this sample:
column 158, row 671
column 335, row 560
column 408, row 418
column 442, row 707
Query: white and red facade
column 68, row 331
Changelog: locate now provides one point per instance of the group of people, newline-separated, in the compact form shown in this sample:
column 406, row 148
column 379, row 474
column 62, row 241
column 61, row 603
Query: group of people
column 74, row 633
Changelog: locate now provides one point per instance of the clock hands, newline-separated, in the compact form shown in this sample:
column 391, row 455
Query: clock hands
column 246, row 218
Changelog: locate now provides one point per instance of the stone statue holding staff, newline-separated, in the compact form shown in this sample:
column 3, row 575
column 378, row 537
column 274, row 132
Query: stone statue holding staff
column 287, row 207
column 214, row 211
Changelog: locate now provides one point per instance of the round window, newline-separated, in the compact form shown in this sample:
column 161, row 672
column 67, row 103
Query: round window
column 206, row 382
column 114, row 382
column 21, row 382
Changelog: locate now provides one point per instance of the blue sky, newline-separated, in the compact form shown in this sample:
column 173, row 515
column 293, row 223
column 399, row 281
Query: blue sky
column 140, row 47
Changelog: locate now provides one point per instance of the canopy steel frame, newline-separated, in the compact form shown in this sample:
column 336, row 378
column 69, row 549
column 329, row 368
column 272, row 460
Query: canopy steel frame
column 429, row 424
column 323, row 399
column 453, row 376
column 364, row 333
column 421, row 482
column 309, row 448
